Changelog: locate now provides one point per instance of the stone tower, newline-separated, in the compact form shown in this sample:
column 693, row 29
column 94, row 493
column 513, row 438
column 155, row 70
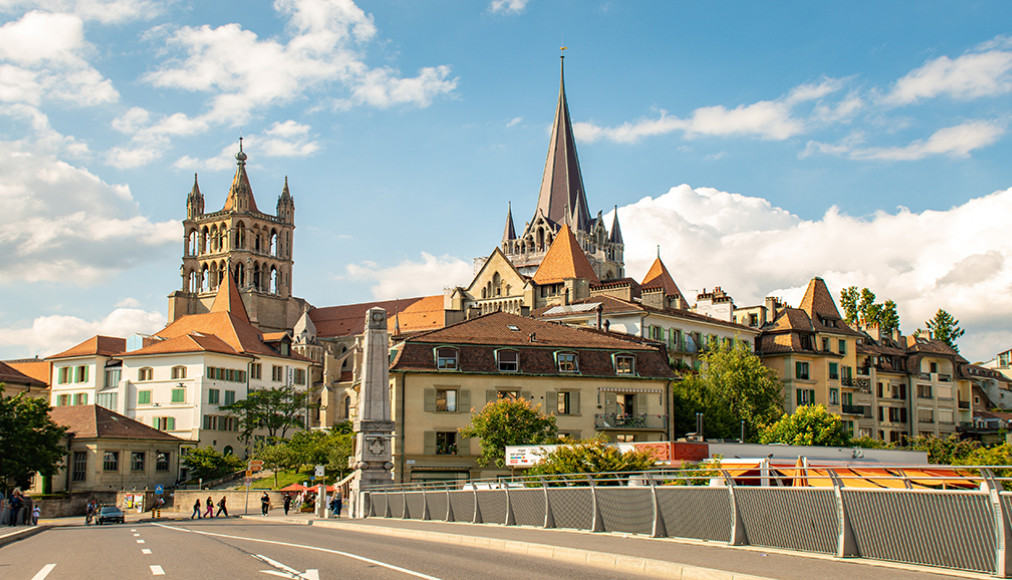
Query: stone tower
column 255, row 247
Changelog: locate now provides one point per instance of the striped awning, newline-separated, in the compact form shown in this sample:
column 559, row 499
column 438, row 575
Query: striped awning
column 629, row 390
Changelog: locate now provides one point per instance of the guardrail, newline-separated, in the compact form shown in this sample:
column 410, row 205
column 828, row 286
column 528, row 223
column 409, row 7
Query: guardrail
column 925, row 515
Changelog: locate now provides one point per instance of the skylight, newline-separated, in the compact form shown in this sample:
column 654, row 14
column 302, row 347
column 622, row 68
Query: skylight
column 513, row 327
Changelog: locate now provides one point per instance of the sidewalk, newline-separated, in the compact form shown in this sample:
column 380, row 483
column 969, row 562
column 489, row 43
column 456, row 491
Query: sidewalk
column 662, row 557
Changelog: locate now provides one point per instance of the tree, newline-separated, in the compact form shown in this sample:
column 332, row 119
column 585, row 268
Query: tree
column 277, row 457
column 31, row 441
column 848, row 301
column 593, row 456
column 732, row 385
column 950, row 450
column 509, row 422
column 207, row 463
column 275, row 410
column 945, row 327
column 331, row 448
column 808, row 425
column 860, row 305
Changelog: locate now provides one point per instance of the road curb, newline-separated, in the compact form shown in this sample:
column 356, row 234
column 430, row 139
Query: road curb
column 21, row 534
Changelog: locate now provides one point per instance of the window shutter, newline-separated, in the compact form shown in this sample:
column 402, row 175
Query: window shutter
column 551, row 402
column 574, row 403
column 464, row 401
column 84, row 374
column 429, row 443
column 491, row 395
column 641, row 404
column 172, row 423
column 463, row 444
column 430, row 400
column 610, row 405
column 799, row 396
column 527, row 395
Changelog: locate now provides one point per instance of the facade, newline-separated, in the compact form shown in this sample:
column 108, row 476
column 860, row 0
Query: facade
column 592, row 381
column 13, row 382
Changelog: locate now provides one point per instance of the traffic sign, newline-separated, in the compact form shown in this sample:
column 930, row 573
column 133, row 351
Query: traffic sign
column 249, row 473
column 256, row 465
column 159, row 490
column 249, row 480
column 319, row 470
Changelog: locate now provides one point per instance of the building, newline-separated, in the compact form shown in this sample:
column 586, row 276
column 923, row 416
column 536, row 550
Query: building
column 592, row 381
column 13, row 382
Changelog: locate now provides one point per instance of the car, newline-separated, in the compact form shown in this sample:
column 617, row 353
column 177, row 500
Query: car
column 110, row 514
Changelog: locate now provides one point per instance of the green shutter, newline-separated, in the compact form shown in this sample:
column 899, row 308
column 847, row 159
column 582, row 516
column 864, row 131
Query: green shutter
column 172, row 423
column 551, row 403
column 464, row 401
column 143, row 397
column 463, row 445
column 799, row 397
column 574, row 402
column 641, row 404
column 429, row 443
column 430, row 400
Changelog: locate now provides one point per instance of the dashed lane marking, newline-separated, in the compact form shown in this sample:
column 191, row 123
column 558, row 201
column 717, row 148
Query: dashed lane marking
column 140, row 541
column 137, row 535
column 41, row 575
column 145, row 551
column 157, row 571
column 316, row 548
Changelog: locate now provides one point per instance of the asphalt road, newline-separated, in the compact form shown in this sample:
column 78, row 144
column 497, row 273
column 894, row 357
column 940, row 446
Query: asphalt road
column 244, row 549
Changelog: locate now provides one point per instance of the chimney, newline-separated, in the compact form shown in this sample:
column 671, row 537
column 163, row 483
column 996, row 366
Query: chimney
column 533, row 337
column 599, row 310
column 607, row 325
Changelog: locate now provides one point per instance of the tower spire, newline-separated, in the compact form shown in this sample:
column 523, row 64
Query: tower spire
column 194, row 201
column 509, row 233
column 615, row 236
column 240, row 195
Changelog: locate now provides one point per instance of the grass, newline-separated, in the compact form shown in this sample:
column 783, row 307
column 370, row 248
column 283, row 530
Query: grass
column 285, row 478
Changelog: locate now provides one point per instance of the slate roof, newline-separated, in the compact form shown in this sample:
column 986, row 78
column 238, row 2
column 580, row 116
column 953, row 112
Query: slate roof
column 96, row 345
column 240, row 185
column 564, row 259
column 94, row 422
column 11, row 375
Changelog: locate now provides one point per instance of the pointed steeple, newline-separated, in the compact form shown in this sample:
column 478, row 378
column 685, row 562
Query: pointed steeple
column 228, row 299
column 615, row 236
column 194, row 201
column 562, row 183
column 564, row 259
column 659, row 277
column 509, row 233
column 240, row 195
column 286, row 205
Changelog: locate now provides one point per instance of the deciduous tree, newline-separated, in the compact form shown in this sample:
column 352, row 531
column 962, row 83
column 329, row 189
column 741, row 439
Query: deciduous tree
column 207, row 463
column 860, row 305
column 509, row 422
column 593, row 456
column 30, row 442
column 808, row 425
column 274, row 410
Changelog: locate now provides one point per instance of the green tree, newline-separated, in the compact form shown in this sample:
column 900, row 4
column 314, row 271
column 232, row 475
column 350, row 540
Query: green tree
column 888, row 317
column 274, row 410
column 848, row 301
column 509, row 422
column 207, row 463
column 330, row 448
column 593, row 456
column 860, row 305
column 30, row 442
column 945, row 327
column 732, row 385
column 808, row 425
column 277, row 457
column 950, row 450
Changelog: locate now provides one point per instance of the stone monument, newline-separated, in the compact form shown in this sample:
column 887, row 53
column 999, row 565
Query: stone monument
column 373, row 426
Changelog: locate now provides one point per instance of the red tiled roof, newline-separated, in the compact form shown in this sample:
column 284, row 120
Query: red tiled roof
column 659, row 277
column 228, row 299
column 96, row 345
column 92, row 421
column 11, row 375
column 38, row 369
column 192, row 342
column 819, row 305
column 563, row 260
column 410, row 314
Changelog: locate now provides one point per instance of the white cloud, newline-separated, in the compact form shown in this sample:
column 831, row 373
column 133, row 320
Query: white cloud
column 424, row 278
column 508, row 6
column 288, row 139
column 957, row 141
column 49, row 335
column 952, row 259
column 974, row 75
column 104, row 11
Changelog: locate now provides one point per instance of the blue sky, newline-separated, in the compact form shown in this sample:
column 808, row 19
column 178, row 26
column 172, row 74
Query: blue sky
column 758, row 144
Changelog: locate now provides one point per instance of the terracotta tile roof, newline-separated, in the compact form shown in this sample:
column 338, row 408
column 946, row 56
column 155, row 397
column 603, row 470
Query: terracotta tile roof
column 412, row 314
column 96, row 345
column 274, row 336
column 92, row 421
column 611, row 305
column 564, row 259
column 821, row 308
column 191, row 342
column 11, row 375
column 659, row 277
column 228, row 299
column 39, row 369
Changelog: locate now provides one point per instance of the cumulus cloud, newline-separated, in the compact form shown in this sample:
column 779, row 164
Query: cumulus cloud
column 49, row 335
column 63, row 223
column 508, row 6
column 984, row 72
column 957, row 141
column 282, row 139
column 104, row 11
column 923, row 261
column 412, row 278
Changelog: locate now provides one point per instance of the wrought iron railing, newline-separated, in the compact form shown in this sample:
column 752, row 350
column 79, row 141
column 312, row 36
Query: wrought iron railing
column 630, row 421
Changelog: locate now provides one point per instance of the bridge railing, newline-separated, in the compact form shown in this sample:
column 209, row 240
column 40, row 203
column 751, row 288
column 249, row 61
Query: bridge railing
column 952, row 517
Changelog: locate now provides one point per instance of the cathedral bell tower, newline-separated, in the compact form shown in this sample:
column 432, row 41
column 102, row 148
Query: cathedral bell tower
column 255, row 247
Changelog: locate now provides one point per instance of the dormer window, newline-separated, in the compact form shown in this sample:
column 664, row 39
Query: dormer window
column 625, row 364
column 567, row 362
column 145, row 374
column 446, row 359
column 508, row 360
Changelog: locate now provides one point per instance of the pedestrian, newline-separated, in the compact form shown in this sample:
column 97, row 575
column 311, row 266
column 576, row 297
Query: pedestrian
column 221, row 507
column 265, row 504
column 15, row 506
column 210, row 508
column 196, row 509
column 36, row 512
column 90, row 510
column 338, row 501
column 287, row 502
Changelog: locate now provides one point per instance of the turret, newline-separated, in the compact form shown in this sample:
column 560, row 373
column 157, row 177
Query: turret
column 194, row 201
column 286, row 205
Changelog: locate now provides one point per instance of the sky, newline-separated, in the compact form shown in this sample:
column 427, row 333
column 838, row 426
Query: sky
column 753, row 145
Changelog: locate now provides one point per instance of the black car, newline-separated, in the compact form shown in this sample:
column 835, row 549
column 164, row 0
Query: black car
column 110, row 514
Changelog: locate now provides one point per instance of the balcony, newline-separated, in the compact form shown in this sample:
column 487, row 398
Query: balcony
column 863, row 385
column 964, row 404
column 852, row 409
column 848, row 382
column 641, row 421
column 863, row 371
column 945, row 378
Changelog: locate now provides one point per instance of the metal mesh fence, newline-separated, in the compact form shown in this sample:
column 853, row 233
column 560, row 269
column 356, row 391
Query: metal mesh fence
column 492, row 504
column 528, row 506
column 796, row 519
column 463, row 505
column 437, row 504
column 703, row 513
column 626, row 509
column 416, row 505
column 571, row 507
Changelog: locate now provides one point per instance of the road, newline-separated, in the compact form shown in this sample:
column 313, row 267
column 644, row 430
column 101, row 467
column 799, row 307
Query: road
column 243, row 549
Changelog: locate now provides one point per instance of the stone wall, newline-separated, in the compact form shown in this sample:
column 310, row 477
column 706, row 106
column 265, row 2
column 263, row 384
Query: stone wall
column 235, row 500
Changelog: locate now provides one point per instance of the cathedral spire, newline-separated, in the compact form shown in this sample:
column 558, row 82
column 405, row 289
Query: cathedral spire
column 194, row 201
column 240, row 195
column 561, row 182
column 286, row 205
column 510, row 233
column 616, row 233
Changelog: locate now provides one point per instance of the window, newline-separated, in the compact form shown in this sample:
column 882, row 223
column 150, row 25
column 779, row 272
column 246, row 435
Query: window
column 800, row 370
column 834, row 396
column 566, row 403
column 923, row 391
column 64, row 375
column 625, row 364
column 300, row 376
column 446, row 443
column 81, row 374
column 179, row 372
column 568, row 363
column 254, row 370
column 165, row 423
column 511, row 394
column 145, row 374
column 934, row 367
column 446, row 400
column 843, row 347
column 137, row 461
column 229, row 397
column 834, row 370
column 446, row 358
column 108, row 400
column 80, row 399
column 80, row 469
column 110, row 461
column 178, row 395
column 825, row 344
column 62, row 400
column 212, row 396
column 926, row 415
column 806, row 397
column 509, row 361
column 112, row 377
column 277, row 373
column 161, row 460
column 143, row 397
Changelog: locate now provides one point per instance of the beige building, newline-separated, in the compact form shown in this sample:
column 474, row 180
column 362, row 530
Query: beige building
column 592, row 381
column 13, row 382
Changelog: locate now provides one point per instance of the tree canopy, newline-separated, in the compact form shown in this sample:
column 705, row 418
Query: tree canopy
column 509, row 422
column 207, row 463
column 808, row 425
column 732, row 385
column 31, row 441
column 593, row 456
column 860, row 305
column 274, row 410
column 945, row 327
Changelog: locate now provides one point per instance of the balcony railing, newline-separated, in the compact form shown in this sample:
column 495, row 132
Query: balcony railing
column 847, row 382
column 964, row 404
column 630, row 421
column 945, row 378
column 852, row 409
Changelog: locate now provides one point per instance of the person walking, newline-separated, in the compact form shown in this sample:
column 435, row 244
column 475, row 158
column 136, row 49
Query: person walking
column 335, row 504
column 210, row 508
column 265, row 504
column 221, row 507
column 287, row 502
column 15, row 506
column 196, row 509
column 90, row 511
column 36, row 512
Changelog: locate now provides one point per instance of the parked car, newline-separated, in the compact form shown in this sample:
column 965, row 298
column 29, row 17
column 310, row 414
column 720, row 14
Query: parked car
column 110, row 514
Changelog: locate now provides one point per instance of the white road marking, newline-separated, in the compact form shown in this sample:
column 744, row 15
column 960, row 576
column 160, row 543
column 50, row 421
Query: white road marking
column 137, row 535
column 157, row 571
column 288, row 572
column 134, row 530
column 140, row 541
column 41, row 575
column 316, row 548
column 145, row 551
